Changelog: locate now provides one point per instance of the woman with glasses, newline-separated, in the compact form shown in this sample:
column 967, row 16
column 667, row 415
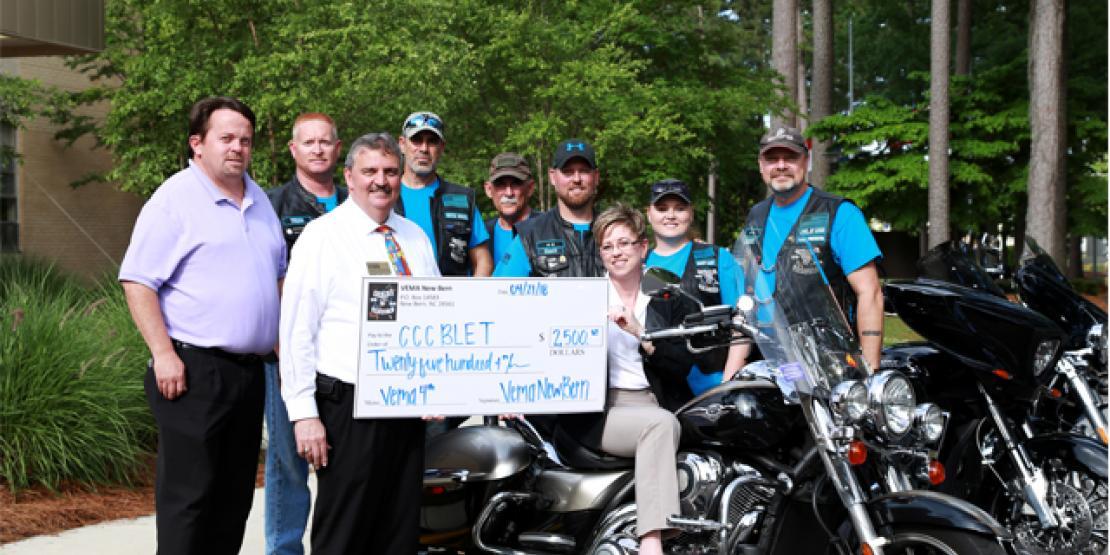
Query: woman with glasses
column 646, row 381
column 708, row 272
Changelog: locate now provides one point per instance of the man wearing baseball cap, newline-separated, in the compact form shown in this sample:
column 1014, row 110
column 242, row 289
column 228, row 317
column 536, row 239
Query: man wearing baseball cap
column 510, row 187
column 559, row 242
column 447, row 212
column 799, row 223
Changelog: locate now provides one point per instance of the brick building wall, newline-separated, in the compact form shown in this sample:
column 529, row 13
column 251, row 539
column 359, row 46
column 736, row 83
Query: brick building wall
column 84, row 230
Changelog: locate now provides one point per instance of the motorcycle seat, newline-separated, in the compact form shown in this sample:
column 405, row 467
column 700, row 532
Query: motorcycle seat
column 578, row 456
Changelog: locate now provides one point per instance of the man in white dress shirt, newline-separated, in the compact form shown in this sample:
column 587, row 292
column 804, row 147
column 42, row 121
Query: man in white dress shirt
column 369, row 471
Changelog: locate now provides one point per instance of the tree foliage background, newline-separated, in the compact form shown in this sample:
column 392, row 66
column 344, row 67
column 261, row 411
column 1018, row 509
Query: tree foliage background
column 662, row 88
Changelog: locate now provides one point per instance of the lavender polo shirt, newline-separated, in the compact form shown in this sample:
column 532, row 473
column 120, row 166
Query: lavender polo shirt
column 214, row 266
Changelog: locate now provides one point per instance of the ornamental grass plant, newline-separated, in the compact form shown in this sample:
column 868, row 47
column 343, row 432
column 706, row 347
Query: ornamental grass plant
column 72, row 407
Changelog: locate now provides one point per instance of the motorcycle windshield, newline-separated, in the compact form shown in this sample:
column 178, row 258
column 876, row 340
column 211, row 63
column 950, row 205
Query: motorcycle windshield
column 1036, row 258
column 803, row 332
column 953, row 262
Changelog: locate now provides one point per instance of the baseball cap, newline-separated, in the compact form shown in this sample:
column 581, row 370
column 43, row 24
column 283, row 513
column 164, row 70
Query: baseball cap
column 422, row 121
column 510, row 164
column 665, row 187
column 573, row 148
column 785, row 137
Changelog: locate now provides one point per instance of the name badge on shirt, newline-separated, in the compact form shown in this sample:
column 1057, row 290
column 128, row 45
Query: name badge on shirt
column 813, row 227
column 378, row 268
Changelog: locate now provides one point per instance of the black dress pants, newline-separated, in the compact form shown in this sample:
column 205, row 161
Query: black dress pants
column 368, row 497
column 208, row 443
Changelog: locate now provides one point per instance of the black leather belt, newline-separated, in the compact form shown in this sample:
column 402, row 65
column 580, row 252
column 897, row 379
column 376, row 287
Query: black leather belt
column 240, row 358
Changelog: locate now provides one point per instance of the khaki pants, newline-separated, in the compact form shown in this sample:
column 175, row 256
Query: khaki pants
column 637, row 426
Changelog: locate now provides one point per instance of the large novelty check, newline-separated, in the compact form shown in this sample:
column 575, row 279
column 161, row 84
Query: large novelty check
column 461, row 346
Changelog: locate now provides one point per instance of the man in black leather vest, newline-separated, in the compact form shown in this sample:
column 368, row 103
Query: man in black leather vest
column 447, row 212
column 559, row 242
column 799, row 226
column 311, row 193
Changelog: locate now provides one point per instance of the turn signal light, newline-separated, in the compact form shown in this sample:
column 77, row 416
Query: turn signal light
column 436, row 490
column 1055, row 393
column 1002, row 373
column 936, row 473
column 851, row 360
column 857, row 453
column 1102, row 434
column 866, row 549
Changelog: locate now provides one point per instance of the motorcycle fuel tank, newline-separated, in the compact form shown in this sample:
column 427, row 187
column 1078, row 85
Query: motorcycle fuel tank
column 745, row 414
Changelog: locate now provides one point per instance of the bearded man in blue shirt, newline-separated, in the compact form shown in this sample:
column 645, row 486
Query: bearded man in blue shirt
column 799, row 225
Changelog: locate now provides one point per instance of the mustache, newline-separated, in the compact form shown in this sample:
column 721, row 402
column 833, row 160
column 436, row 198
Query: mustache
column 385, row 188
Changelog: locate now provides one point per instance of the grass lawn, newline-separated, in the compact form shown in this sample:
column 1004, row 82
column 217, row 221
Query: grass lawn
column 896, row 331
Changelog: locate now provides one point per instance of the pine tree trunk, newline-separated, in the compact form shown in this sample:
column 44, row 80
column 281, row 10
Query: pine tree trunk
column 784, row 55
column 963, row 38
column 938, row 124
column 800, row 84
column 1045, row 217
column 821, row 97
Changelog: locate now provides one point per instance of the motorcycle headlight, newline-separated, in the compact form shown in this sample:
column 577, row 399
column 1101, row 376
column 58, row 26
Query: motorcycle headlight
column 1046, row 351
column 929, row 420
column 892, row 401
column 849, row 401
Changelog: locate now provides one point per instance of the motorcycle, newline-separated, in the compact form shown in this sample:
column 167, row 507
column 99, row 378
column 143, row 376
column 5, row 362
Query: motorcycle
column 997, row 367
column 781, row 450
column 1079, row 374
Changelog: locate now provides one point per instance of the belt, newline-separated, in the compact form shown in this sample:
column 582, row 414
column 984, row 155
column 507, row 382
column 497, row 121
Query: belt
column 241, row 358
column 331, row 388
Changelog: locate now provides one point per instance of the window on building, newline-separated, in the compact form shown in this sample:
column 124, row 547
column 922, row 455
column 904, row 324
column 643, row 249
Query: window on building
column 9, row 213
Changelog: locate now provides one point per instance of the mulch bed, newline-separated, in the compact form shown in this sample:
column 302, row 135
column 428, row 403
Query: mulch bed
column 38, row 511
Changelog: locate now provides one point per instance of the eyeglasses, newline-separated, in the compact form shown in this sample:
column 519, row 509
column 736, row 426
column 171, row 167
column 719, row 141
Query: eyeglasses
column 624, row 245
column 424, row 120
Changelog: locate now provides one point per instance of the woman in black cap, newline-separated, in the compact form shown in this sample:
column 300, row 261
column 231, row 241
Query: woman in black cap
column 708, row 272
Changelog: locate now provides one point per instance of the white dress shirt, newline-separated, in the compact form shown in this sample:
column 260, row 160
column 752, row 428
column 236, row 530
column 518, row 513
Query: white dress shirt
column 320, row 303
column 626, row 366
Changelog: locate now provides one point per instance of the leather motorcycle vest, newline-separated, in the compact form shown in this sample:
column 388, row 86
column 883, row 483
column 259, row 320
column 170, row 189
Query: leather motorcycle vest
column 701, row 275
column 555, row 248
column 812, row 230
column 452, row 213
column 295, row 207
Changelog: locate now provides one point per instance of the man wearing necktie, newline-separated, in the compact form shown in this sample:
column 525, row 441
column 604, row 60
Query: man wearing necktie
column 369, row 471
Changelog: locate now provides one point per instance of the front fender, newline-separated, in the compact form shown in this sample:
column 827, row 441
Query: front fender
column 930, row 508
column 1085, row 452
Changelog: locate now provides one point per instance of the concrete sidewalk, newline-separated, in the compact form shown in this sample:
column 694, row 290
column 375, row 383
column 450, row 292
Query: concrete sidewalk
column 134, row 536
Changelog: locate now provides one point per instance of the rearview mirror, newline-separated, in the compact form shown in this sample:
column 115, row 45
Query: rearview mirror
column 657, row 281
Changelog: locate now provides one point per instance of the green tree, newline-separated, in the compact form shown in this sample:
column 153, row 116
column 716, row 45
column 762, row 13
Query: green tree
column 660, row 88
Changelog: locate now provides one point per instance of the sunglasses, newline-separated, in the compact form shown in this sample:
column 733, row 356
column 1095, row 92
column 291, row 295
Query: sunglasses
column 424, row 120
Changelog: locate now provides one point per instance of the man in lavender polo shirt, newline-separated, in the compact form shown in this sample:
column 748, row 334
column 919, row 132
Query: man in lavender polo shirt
column 201, row 276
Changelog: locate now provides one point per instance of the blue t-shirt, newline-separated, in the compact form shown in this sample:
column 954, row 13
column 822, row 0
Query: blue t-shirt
column 418, row 208
column 853, row 246
column 729, row 273
column 515, row 262
column 731, row 279
column 500, row 241
column 329, row 202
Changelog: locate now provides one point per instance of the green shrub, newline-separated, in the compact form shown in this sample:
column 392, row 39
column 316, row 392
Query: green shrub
column 72, row 406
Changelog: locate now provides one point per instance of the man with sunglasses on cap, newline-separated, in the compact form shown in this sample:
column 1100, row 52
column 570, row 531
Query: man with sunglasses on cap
column 510, row 187
column 447, row 212
column 558, row 243
column 799, row 223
